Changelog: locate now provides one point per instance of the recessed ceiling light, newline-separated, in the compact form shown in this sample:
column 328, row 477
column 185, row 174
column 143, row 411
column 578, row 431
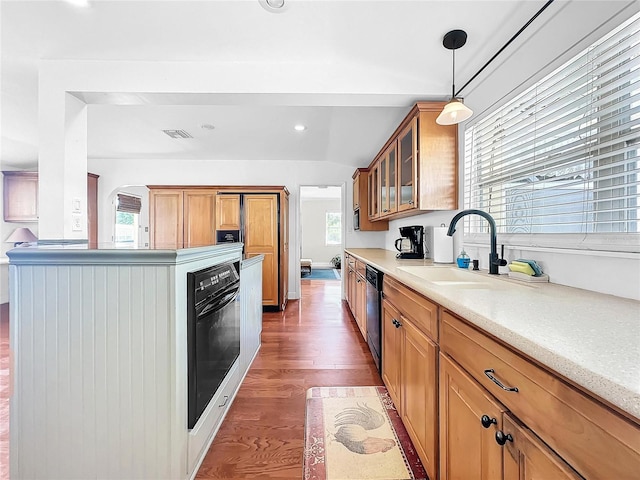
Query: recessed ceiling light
column 79, row 3
column 273, row 6
column 300, row 128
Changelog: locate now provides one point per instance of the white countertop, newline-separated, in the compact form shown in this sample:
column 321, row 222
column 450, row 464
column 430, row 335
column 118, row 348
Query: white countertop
column 590, row 338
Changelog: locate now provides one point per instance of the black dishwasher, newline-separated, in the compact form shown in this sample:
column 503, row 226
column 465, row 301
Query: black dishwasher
column 374, row 295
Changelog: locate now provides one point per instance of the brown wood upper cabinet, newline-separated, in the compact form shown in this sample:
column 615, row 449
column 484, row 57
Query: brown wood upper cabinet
column 228, row 212
column 181, row 218
column 417, row 168
column 20, row 196
column 20, row 200
column 361, row 202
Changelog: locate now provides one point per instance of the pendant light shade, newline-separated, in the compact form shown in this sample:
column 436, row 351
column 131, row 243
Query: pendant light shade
column 455, row 111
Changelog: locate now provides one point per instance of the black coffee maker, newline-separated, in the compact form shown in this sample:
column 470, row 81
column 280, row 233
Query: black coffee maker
column 411, row 244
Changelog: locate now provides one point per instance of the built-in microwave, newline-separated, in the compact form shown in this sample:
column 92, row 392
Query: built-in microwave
column 356, row 219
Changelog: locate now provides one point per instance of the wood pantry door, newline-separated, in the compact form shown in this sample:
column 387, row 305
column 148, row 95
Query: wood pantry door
column 261, row 237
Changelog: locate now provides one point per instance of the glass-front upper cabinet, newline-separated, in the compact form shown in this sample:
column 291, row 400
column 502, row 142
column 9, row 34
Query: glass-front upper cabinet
column 407, row 166
column 374, row 191
column 388, row 165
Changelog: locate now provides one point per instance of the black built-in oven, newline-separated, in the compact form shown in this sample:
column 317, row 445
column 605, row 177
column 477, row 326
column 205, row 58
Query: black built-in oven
column 213, row 332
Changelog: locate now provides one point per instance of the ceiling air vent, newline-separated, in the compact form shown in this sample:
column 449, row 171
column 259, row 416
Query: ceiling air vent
column 177, row 133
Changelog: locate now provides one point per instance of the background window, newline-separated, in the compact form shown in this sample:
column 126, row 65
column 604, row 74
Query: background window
column 333, row 228
column 127, row 214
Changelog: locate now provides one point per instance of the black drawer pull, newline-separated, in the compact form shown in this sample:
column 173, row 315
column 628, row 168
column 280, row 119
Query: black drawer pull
column 489, row 373
column 487, row 422
column 226, row 397
column 501, row 438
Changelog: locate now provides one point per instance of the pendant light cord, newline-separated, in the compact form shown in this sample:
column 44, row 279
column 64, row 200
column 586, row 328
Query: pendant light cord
column 453, row 76
column 503, row 47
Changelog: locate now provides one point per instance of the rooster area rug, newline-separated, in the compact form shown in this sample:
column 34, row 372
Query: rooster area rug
column 356, row 433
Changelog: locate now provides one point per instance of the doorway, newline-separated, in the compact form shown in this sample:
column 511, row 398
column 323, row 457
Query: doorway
column 322, row 231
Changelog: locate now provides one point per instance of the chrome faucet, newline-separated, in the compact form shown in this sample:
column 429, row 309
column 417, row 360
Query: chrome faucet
column 494, row 261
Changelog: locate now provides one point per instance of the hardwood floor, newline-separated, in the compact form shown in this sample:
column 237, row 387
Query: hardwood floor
column 4, row 391
column 314, row 342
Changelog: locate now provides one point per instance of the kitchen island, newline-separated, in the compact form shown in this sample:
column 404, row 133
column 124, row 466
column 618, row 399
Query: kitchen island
column 99, row 344
column 486, row 354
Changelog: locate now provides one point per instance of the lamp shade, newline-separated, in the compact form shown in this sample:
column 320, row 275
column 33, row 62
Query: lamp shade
column 454, row 112
column 21, row 235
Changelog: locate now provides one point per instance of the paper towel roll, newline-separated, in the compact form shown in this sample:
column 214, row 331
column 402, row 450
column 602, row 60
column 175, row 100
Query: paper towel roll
column 442, row 245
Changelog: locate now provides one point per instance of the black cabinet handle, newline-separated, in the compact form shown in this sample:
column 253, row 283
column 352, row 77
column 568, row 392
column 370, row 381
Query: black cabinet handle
column 489, row 373
column 501, row 438
column 226, row 397
column 396, row 323
column 487, row 422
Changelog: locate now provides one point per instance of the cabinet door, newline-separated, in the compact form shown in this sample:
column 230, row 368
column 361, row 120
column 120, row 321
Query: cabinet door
column 356, row 191
column 391, row 344
column 227, row 212
column 388, row 180
column 374, row 191
column 348, row 272
column 284, row 249
column 165, row 218
column 20, row 196
column 419, row 373
column 361, row 304
column 468, row 450
column 199, row 218
column 526, row 457
column 407, row 166
column 261, row 237
column 383, row 186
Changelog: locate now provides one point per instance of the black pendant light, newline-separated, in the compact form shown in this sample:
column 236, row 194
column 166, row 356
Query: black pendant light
column 455, row 111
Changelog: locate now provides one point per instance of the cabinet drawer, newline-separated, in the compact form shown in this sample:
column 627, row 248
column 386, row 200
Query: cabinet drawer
column 361, row 268
column 597, row 442
column 412, row 305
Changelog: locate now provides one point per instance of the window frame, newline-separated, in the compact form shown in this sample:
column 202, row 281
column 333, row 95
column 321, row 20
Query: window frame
column 621, row 242
column 338, row 228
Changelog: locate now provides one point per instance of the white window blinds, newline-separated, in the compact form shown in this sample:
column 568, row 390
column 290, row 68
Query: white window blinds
column 562, row 157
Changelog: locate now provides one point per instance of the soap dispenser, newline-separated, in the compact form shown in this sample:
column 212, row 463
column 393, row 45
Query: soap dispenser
column 463, row 259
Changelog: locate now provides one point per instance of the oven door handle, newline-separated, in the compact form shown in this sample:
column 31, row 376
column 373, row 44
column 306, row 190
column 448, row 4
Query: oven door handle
column 217, row 304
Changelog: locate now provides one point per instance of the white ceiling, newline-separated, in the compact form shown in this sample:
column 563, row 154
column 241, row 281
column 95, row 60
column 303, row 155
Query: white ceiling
column 399, row 42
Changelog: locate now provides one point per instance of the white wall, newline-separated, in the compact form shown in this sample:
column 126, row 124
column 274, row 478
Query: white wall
column 313, row 219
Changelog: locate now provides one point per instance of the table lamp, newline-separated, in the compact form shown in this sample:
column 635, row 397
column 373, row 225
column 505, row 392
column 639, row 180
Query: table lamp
column 21, row 236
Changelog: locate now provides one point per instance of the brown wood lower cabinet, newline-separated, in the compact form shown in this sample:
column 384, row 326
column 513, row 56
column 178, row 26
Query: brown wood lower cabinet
column 391, row 354
column 356, row 292
column 409, row 369
column 468, row 450
column 465, row 425
column 525, row 456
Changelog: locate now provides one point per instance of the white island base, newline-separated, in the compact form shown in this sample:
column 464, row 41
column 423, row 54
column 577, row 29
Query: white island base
column 100, row 361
